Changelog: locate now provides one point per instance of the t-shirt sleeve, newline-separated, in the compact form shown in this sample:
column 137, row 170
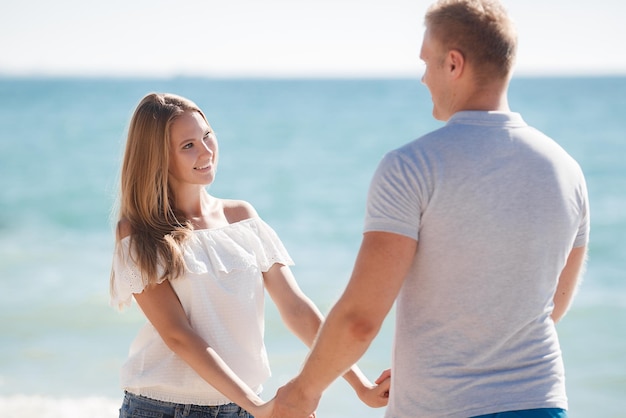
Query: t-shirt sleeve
column 393, row 201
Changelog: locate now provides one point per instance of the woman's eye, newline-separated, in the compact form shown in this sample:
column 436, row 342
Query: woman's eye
column 187, row 146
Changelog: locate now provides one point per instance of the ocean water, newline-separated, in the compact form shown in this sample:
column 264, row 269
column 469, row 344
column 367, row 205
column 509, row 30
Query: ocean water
column 302, row 152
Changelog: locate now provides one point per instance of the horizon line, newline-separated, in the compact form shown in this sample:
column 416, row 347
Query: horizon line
column 265, row 76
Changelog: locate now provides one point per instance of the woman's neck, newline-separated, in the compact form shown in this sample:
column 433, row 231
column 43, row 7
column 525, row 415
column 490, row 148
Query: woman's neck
column 201, row 209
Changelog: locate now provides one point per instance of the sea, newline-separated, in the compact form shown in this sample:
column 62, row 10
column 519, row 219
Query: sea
column 302, row 151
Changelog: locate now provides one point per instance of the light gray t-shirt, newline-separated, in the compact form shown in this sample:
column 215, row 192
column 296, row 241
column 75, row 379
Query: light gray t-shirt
column 496, row 207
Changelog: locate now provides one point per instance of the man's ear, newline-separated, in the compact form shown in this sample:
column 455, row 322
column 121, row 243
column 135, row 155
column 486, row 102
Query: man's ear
column 456, row 63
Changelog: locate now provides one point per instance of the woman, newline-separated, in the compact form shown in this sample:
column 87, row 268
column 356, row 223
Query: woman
column 197, row 266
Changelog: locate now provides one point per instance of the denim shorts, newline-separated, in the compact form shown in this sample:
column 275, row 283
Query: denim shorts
column 135, row 406
column 529, row 413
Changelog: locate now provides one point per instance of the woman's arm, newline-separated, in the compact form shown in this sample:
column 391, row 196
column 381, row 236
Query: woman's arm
column 568, row 282
column 164, row 311
column 303, row 318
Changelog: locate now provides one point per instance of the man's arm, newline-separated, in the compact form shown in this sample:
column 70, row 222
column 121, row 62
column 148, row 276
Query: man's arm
column 568, row 282
column 383, row 261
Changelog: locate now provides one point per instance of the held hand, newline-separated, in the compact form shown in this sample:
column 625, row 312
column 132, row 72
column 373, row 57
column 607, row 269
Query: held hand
column 291, row 401
column 377, row 396
column 265, row 411
column 386, row 374
column 262, row 411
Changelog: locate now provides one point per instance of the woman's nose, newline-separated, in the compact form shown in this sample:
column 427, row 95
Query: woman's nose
column 206, row 147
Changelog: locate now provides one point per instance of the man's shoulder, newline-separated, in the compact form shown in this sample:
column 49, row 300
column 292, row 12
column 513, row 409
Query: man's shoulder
column 427, row 141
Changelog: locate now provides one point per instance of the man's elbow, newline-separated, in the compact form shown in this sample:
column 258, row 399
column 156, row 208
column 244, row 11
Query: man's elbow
column 362, row 328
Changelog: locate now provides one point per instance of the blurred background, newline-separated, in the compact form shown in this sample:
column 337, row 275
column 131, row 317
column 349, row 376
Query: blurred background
column 305, row 98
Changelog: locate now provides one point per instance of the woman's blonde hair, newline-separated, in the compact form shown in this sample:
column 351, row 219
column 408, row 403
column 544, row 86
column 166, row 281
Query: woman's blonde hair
column 146, row 200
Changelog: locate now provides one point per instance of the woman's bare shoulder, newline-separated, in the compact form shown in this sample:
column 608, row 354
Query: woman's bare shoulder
column 124, row 229
column 238, row 210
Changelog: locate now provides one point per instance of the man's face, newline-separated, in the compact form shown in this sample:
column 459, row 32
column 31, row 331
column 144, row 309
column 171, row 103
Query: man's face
column 435, row 76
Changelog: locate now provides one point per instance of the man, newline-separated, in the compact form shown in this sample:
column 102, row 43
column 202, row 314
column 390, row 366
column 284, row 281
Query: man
column 478, row 230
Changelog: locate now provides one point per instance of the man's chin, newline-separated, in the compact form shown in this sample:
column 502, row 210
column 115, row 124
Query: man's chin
column 437, row 115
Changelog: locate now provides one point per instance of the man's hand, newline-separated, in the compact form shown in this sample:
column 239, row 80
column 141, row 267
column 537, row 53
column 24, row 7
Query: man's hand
column 292, row 401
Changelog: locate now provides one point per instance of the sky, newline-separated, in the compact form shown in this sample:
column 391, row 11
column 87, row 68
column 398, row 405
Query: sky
column 285, row 38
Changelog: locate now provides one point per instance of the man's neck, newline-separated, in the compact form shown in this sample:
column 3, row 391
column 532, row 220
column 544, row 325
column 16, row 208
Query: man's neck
column 492, row 97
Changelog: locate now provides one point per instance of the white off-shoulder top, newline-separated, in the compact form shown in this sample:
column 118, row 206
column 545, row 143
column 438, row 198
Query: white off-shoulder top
column 222, row 293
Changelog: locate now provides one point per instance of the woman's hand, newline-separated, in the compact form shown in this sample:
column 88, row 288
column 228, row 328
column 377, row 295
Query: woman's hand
column 385, row 375
column 377, row 396
column 266, row 410
column 263, row 410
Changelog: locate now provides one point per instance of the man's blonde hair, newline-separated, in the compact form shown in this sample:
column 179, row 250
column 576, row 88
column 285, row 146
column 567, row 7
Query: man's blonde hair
column 480, row 30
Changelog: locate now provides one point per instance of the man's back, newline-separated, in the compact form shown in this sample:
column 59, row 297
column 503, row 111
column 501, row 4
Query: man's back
column 496, row 208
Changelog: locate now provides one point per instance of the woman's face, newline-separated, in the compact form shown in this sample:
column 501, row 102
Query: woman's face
column 193, row 150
